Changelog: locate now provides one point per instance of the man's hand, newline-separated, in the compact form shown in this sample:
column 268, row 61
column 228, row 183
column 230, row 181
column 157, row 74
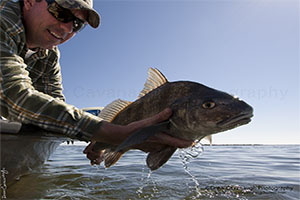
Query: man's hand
column 94, row 157
column 116, row 134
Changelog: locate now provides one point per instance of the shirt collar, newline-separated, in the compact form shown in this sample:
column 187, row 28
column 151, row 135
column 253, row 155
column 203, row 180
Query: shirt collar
column 39, row 53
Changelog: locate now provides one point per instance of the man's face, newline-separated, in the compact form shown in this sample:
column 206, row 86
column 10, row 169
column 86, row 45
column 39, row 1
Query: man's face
column 42, row 29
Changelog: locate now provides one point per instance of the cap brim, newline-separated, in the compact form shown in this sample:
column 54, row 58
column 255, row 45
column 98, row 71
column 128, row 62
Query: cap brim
column 93, row 17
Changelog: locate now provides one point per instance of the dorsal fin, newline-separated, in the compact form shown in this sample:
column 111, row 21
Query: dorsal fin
column 113, row 109
column 154, row 80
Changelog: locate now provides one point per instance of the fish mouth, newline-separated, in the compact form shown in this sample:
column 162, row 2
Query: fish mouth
column 236, row 120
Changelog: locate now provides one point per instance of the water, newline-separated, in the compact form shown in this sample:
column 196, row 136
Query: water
column 220, row 172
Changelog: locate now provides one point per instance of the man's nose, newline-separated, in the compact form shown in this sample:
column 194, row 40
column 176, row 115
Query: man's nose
column 67, row 27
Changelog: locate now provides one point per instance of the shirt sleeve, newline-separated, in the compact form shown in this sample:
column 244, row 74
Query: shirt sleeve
column 50, row 81
column 21, row 101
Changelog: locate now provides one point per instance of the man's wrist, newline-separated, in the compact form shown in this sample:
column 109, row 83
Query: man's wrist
column 110, row 133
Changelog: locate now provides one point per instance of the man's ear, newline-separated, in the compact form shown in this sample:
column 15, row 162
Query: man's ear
column 28, row 4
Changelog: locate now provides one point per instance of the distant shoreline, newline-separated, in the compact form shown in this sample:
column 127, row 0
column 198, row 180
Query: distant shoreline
column 250, row 144
column 85, row 144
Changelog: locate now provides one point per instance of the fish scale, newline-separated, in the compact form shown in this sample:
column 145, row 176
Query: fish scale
column 198, row 112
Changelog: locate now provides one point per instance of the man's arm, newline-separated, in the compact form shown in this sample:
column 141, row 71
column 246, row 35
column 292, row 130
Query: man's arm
column 50, row 82
column 21, row 101
column 116, row 134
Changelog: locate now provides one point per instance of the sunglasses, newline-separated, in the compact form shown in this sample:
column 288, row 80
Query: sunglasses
column 64, row 15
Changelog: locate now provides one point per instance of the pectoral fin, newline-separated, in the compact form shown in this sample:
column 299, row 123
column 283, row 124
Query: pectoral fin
column 156, row 159
column 142, row 135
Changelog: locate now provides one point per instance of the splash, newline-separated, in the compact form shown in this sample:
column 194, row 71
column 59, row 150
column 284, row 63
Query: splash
column 139, row 192
column 147, row 181
column 188, row 154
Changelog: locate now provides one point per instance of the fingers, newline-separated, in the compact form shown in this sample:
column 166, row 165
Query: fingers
column 150, row 147
column 171, row 141
column 94, row 157
column 162, row 116
column 161, row 138
column 89, row 147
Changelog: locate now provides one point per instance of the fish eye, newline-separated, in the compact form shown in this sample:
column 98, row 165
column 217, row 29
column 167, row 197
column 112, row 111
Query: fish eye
column 208, row 104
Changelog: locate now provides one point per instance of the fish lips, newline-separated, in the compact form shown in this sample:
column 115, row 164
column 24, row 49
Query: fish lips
column 238, row 120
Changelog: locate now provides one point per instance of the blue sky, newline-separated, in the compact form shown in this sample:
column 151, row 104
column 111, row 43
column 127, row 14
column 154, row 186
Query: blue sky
column 249, row 48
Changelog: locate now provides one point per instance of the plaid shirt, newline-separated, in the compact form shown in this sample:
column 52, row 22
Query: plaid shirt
column 30, row 82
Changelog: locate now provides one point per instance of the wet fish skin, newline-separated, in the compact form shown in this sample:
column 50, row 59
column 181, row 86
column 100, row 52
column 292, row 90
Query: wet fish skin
column 189, row 120
column 198, row 111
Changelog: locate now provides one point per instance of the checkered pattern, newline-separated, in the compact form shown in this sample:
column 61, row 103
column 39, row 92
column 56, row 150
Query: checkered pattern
column 30, row 86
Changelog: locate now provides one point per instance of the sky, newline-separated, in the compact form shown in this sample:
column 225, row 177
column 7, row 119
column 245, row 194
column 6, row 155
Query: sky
column 249, row 48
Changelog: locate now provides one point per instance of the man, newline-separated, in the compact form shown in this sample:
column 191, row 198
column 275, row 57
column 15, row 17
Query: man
column 31, row 89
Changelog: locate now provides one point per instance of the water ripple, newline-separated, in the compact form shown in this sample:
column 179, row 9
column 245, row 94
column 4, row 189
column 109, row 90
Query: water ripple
column 218, row 172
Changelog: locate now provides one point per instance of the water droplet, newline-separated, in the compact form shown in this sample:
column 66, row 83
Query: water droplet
column 186, row 155
column 191, row 153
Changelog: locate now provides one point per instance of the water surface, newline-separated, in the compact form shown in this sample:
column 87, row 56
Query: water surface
column 220, row 172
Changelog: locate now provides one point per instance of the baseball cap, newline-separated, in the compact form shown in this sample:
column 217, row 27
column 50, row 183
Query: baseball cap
column 93, row 17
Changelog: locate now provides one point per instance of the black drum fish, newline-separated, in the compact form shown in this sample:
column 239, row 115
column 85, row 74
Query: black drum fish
column 198, row 112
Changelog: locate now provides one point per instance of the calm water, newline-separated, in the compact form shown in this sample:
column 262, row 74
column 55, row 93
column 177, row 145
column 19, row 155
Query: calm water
column 220, row 172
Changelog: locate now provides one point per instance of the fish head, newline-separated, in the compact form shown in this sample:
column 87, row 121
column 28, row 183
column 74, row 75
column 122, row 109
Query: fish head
column 207, row 111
